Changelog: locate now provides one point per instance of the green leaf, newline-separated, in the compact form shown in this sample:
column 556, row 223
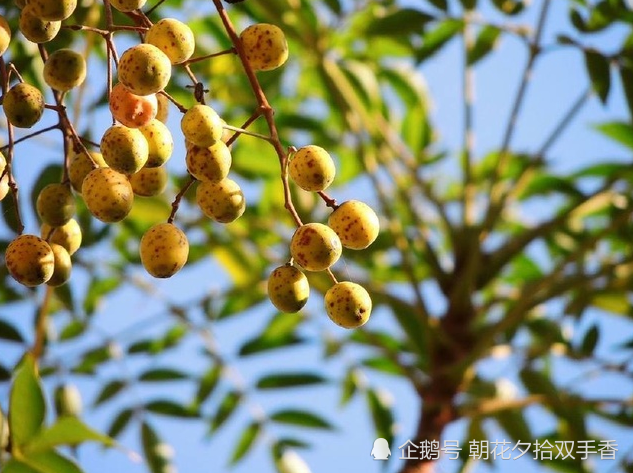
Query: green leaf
column 537, row 382
column 286, row 380
column 97, row 289
column 381, row 415
column 621, row 132
column 110, row 390
column 208, row 383
column 485, row 42
column 440, row 4
column 350, row 385
column 15, row 466
column 469, row 4
column 403, row 21
column 626, row 78
column 72, row 330
column 66, row 431
column 92, row 359
column 513, row 422
column 10, row 333
column 227, row 407
column 120, row 422
column 154, row 449
column 433, row 40
column 384, row 364
column 301, row 418
column 5, row 374
column 509, row 7
column 590, row 340
column 278, row 334
column 52, row 462
column 162, row 374
column 246, row 442
column 616, row 302
column 27, row 407
column 170, row 408
column 599, row 73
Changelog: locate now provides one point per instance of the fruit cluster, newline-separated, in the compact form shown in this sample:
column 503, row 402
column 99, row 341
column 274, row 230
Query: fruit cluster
column 132, row 153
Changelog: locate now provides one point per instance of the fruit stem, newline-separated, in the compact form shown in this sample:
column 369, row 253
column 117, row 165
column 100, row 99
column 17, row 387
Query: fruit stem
column 176, row 203
column 40, row 327
column 329, row 201
column 193, row 60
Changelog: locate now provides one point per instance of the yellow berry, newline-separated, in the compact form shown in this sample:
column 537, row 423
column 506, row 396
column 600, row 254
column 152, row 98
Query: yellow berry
column 130, row 109
column 35, row 29
column 174, row 38
column 312, row 168
column 164, row 250
column 149, row 182
column 265, row 46
column 288, row 289
column 209, row 164
column 348, row 304
column 53, row 10
column 144, row 69
column 80, row 165
column 4, row 179
column 355, row 223
column 201, row 125
column 160, row 142
column 55, row 204
column 68, row 235
column 315, row 247
column 124, row 149
column 163, row 108
column 63, row 266
column 127, row 5
column 108, row 194
column 5, row 35
column 64, row 69
column 222, row 201
column 30, row 260
column 23, row 105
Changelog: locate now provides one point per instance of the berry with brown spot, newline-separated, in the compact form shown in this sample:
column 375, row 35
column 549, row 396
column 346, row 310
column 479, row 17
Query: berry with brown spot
column 35, row 29
column 124, row 149
column 53, row 10
column 5, row 35
column 64, row 69
column 160, row 142
column 288, row 288
column 265, row 46
column 355, row 223
column 315, row 247
column 149, row 182
column 23, row 105
column 127, row 5
column 209, row 164
column 174, row 38
column 222, row 201
column 201, row 125
column 144, row 69
column 81, row 164
column 55, row 204
column 63, row 266
column 130, row 109
column 108, row 194
column 30, row 260
column 164, row 250
column 312, row 168
column 348, row 304
column 69, row 235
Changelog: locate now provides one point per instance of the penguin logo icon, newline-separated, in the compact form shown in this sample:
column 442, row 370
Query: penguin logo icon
column 381, row 449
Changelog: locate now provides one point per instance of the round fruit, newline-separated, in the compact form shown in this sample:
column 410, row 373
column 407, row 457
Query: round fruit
column 68, row 400
column 355, row 223
column 265, row 46
column 108, row 194
column 164, row 250
column 80, row 165
column 174, row 38
column 288, row 289
column 201, row 125
column 163, row 108
column 4, row 179
column 160, row 142
column 63, row 266
column 209, row 164
column 348, row 304
column 53, row 10
column 68, row 235
column 30, row 260
column 64, row 69
column 149, row 182
column 130, row 109
column 23, row 105
column 222, row 201
column 55, row 205
column 312, row 168
column 315, row 247
column 5, row 35
column 127, row 5
column 124, row 149
column 144, row 69
column 36, row 30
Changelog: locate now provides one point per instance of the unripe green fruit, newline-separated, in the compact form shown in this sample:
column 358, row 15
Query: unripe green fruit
column 69, row 235
column 163, row 108
column 130, row 109
column 68, row 401
column 222, row 201
column 144, row 69
column 124, row 149
column 108, row 194
column 164, row 250
column 81, row 164
column 265, row 46
column 174, row 38
column 149, row 182
column 127, row 5
column 64, row 69
column 348, row 304
column 312, row 168
column 53, row 10
column 355, row 223
column 62, row 268
column 201, row 125
column 209, row 164
column 315, row 247
column 55, row 205
column 5, row 35
column 4, row 179
column 23, row 105
column 35, row 29
column 288, row 289
column 160, row 142
column 30, row 260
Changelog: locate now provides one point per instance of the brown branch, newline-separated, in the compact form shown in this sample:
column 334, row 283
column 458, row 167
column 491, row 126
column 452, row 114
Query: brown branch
column 176, row 203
